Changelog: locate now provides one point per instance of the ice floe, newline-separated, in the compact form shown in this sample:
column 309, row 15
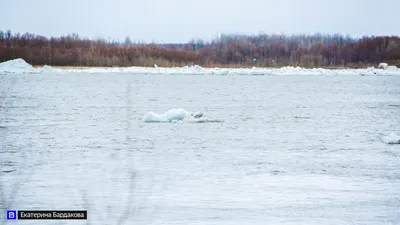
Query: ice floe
column 176, row 115
column 392, row 139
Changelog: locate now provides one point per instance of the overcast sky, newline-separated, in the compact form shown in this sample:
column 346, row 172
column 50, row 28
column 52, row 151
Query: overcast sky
column 182, row 20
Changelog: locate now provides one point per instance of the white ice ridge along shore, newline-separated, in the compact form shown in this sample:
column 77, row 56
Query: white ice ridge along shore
column 20, row 66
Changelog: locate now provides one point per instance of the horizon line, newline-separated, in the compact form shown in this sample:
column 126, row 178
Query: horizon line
column 209, row 39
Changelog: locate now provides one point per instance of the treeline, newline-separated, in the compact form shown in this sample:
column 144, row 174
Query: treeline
column 318, row 50
column 72, row 50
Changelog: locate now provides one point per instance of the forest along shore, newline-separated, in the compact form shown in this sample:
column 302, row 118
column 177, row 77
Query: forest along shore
column 226, row 51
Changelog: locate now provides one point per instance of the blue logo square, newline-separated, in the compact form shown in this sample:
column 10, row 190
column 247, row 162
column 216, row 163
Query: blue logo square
column 11, row 214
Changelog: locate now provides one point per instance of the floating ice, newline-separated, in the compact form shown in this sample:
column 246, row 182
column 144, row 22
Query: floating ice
column 171, row 115
column 392, row 139
column 17, row 66
column 175, row 115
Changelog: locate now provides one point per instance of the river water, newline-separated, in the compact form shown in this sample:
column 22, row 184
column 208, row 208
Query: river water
column 291, row 149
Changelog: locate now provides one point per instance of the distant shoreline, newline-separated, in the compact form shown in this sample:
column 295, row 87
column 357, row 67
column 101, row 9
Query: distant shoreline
column 205, row 67
column 19, row 65
column 227, row 51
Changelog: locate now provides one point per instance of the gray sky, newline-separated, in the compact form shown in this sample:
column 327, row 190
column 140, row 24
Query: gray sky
column 182, row 20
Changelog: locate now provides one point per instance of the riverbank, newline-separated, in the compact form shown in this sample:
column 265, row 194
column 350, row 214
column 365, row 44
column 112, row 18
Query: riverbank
column 220, row 66
column 19, row 66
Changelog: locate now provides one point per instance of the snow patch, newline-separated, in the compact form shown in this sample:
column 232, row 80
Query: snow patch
column 16, row 66
column 392, row 139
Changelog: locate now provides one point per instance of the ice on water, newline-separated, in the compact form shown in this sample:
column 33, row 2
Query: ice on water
column 392, row 138
column 173, row 115
column 292, row 150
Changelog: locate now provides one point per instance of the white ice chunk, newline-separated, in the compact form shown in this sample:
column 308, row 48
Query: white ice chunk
column 383, row 66
column 171, row 115
column 46, row 69
column 178, row 115
column 17, row 66
column 392, row 139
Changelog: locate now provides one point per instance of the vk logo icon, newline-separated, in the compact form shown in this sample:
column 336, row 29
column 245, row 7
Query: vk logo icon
column 11, row 214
